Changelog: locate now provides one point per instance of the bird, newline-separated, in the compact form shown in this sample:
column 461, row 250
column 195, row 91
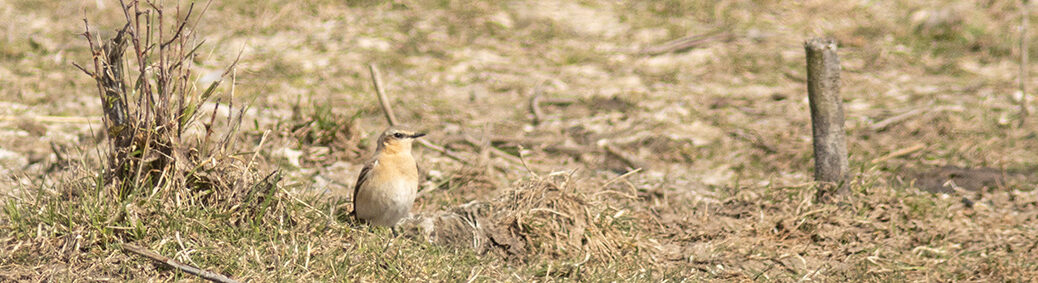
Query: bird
column 388, row 183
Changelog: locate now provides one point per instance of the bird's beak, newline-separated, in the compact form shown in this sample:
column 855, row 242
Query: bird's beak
column 418, row 135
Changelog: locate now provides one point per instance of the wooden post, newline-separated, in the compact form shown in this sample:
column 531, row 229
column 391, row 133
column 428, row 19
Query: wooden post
column 823, row 92
column 1025, row 17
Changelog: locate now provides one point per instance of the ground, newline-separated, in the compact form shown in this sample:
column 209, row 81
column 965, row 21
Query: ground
column 943, row 177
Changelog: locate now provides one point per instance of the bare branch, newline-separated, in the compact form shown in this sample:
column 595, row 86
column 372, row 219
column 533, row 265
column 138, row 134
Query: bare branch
column 629, row 159
column 535, row 108
column 205, row 274
column 376, row 78
column 686, row 43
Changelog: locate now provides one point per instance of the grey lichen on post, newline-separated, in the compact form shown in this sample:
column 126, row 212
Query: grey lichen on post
column 823, row 91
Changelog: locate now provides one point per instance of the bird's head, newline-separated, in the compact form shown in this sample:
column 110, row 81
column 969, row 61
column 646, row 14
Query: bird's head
column 397, row 139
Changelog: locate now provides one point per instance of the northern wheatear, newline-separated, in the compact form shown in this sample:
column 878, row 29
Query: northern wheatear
column 387, row 185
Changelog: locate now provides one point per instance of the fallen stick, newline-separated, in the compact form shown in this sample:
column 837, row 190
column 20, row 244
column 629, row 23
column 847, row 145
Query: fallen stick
column 630, row 160
column 558, row 101
column 753, row 138
column 629, row 173
column 376, row 78
column 442, row 150
column 520, row 140
column 528, row 142
column 484, row 147
column 495, row 151
column 686, row 43
column 484, row 157
column 538, row 99
column 535, row 108
column 881, row 125
column 543, row 144
column 205, row 274
column 899, row 153
column 574, row 151
column 546, row 145
column 53, row 119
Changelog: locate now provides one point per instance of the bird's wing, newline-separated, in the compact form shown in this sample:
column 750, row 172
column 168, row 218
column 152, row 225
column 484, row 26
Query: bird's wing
column 363, row 177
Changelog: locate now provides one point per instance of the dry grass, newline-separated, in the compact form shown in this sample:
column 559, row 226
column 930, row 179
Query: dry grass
column 721, row 130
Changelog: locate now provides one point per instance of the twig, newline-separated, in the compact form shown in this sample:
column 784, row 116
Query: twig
column 451, row 155
column 558, row 101
column 475, row 274
column 543, row 144
column 495, row 151
column 686, row 43
column 526, row 141
column 898, row 153
column 376, row 78
column 523, row 160
column 753, row 138
column 745, row 134
column 575, row 151
column 629, row 173
column 53, row 119
column 484, row 147
column 881, row 125
column 762, row 272
column 538, row 98
column 89, row 73
column 254, row 154
column 208, row 275
column 484, row 156
column 183, row 23
column 443, row 151
column 535, row 108
column 629, row 159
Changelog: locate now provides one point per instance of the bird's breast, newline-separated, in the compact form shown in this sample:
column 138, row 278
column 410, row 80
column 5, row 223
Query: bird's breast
column 397, row 178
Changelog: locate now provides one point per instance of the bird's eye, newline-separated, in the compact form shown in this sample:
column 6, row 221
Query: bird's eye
column 398, row 135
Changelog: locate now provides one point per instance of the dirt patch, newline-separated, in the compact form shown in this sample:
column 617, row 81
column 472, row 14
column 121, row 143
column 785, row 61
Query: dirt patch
column 946, row 179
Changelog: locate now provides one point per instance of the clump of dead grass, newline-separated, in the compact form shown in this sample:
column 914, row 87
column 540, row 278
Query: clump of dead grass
column 558, row 217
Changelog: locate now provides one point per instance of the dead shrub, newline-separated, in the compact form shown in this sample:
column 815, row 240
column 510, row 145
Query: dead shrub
column 150, row 96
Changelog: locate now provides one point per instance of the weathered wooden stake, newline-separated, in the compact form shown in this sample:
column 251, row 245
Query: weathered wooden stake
column 1025, row 16
column 823, row 92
